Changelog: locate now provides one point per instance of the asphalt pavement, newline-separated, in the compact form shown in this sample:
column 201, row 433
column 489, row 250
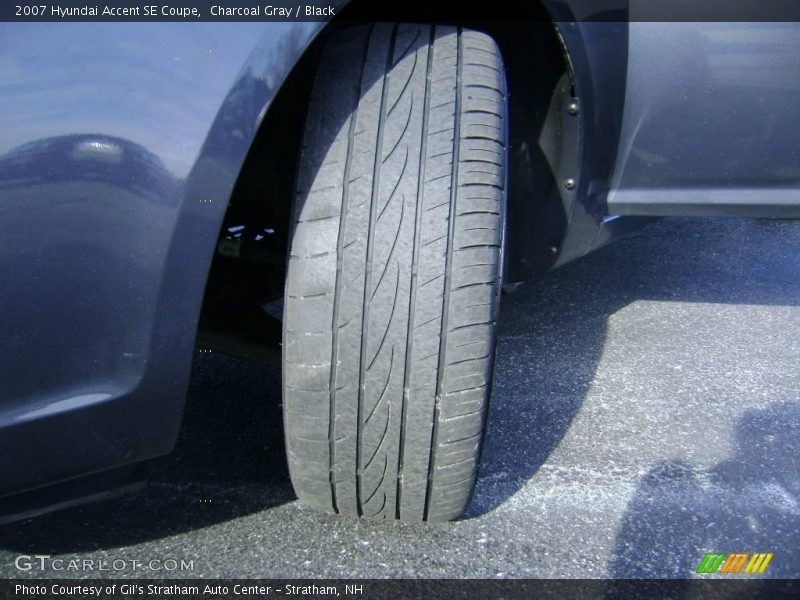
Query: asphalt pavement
column 646, row 410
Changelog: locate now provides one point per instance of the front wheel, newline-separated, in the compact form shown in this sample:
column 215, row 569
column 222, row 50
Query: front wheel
column 395, row 271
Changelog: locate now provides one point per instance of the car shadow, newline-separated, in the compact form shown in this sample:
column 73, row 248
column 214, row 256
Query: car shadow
column 553, row 330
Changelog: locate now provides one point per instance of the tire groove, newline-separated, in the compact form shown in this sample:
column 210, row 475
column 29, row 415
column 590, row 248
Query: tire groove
column 403, row 134
column 405, row 51
column 410, row 77
column 463, row 439
column 396, row 185
column 380, row 482
column 448, row 278
column 380, row 443
column 338, row 285
column 389, row 323
column 466, row 360
column 376, row 170
column 383, row 391
column 414, row 272
column 391, row 253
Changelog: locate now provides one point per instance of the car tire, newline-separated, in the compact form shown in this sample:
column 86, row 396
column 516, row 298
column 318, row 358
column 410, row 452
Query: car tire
column 394, row 272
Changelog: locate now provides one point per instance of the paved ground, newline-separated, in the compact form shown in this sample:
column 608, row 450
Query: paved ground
column 646, row 411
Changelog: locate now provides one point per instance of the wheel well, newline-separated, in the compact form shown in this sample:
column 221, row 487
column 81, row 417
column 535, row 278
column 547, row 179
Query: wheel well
column 243, row 296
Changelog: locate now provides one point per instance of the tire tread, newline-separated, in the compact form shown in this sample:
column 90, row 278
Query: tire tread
column 394, row 271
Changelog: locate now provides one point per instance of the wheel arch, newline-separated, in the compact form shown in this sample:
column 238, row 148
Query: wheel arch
column 558, row 41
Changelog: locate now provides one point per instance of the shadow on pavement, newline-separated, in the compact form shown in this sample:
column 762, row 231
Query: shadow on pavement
column 552, row 330
column 749, row 503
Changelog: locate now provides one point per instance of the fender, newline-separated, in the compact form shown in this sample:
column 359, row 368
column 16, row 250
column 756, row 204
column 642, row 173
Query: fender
column 208, row 189
column 130, row 140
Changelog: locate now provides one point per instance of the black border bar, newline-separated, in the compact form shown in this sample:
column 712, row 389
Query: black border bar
column 396, row 589
column 396, row 10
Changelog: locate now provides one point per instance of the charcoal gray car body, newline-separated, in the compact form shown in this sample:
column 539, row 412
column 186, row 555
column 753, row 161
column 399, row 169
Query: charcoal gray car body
column 122, row 146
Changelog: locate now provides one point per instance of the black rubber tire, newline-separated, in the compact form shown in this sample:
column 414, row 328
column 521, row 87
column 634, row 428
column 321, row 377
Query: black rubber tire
column 395, row 271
